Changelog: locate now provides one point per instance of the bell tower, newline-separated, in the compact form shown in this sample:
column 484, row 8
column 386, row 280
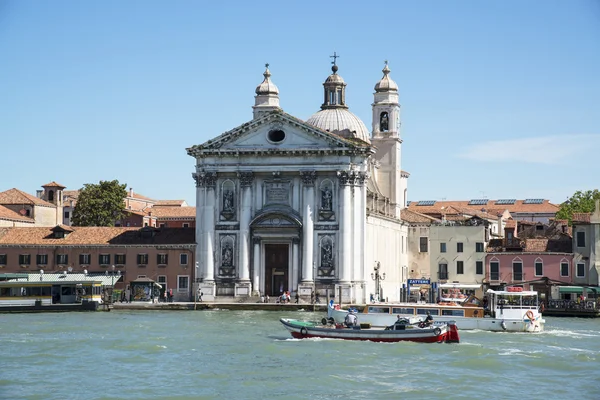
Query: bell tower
column 386, row 138
column 53, row 193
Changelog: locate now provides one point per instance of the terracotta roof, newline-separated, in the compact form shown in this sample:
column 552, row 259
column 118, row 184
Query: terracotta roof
column 416, row 218
column 7, row 213
column 582, row 217
column 15, row 196
column 172, row 203
column 173, row 212
column 53, row 183
column 135, row 195
column 510, row 223
column 98, row 236
column 517, row 207
column 470, row 211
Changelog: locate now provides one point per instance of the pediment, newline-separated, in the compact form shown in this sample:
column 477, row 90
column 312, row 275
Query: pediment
column 277, row 132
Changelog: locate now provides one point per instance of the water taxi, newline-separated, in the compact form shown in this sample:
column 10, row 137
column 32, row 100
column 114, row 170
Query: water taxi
column 511, row 310
column 446, row 332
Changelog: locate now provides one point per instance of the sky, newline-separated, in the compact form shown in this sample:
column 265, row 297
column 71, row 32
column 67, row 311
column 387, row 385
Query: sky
column 500, row 99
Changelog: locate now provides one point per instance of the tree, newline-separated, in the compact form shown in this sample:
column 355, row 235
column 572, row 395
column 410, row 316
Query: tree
column 100, row 204
column 580, row 202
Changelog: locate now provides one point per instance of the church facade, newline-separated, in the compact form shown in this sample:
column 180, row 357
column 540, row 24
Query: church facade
column 304, row 206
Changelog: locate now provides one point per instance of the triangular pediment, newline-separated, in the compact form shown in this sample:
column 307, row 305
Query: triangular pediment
column 278, row 132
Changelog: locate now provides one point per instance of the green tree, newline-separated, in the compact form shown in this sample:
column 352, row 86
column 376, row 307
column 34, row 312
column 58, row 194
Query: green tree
column 580, row 202
column 100, row 204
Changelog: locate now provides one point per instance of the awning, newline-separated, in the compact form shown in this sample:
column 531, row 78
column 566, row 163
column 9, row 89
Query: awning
column 458, row 286
column 575, row 289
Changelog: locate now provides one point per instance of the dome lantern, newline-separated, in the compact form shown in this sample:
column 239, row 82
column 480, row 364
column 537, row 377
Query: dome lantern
column 267, row 95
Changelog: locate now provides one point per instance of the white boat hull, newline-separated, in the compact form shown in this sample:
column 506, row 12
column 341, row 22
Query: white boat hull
column 483, row 323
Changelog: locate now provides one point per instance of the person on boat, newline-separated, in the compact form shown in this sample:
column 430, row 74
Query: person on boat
column 351, row 321
column 428, row 321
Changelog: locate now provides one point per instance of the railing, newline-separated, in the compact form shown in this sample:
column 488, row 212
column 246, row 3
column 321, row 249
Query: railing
column 574, row 305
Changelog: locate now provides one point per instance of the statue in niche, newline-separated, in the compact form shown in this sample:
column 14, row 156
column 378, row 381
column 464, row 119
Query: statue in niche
column 228, row 200
column 383, row 122
column 227, row 254
column 327, row 254
column 326, row 199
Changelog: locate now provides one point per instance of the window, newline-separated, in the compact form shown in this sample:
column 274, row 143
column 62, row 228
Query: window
column 442, row 247
column 539, row 268
column 41, row 259
column 142, row 259
column 479, row 267
column 67, row 214
column 183, row 283
column 443, row 271
column 162, row 259
column 517, row 271
column 479, row 247
column 183, row 259
column 564, row 269
column 162, row 280
column 120, row 259
column 581, row 239
column 494, row 271
column 62, row 259
column 3, row 259
column 85, row 259
column 459, row 247
column 423, row 244
column 186, row 225
column 163, row 225
column 460, row 267
column 580, row 270
column 104, row 259
column 24, row 259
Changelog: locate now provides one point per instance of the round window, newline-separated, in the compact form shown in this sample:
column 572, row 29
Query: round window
column 276, row 136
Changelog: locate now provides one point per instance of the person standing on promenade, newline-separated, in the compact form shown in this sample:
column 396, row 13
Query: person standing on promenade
column 297, row 298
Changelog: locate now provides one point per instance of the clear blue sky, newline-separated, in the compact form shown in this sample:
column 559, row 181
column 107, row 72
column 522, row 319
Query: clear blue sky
column 500, row 99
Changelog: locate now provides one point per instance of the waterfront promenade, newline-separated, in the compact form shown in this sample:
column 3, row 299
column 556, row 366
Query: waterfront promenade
column 220, row 304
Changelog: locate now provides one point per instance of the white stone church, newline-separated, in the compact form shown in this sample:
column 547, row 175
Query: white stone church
column 286, row 204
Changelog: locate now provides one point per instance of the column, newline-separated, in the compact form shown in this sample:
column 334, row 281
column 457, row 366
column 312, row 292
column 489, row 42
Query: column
column 345, row 250
column 246, row 180
column 256, row 264
column 205, row 182
column 308, row 207
column 357, row 227
column 295, row 262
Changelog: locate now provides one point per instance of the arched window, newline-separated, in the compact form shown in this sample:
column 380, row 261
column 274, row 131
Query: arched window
column 51, row 195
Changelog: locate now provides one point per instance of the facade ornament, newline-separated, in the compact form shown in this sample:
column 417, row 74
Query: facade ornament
column 246, row 178
column 256, row 240
column 205, row 179
column 308, row 177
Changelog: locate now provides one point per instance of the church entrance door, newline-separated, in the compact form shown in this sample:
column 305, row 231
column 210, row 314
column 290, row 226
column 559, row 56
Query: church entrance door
column 277, row 257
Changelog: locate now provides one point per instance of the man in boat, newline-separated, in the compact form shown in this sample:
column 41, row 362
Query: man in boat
column 428, row 321
column 351, row 321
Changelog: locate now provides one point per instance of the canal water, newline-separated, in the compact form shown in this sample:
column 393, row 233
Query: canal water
column 225, row 354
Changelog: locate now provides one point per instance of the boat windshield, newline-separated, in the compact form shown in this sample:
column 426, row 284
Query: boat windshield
column 517, row 301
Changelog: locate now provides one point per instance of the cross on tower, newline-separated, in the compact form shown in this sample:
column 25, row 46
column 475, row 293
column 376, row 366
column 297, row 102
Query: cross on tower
column 267, row 65
column 334, row 56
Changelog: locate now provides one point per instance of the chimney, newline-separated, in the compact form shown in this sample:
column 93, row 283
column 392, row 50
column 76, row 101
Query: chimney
column 130, row 192
column 39, row 193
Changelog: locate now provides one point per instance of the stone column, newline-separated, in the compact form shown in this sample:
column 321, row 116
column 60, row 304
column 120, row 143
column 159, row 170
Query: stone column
column 308, row 206
column 295, row 262
column 256, row 264
column 246, row 180
column 205, row 197
column 345, row 251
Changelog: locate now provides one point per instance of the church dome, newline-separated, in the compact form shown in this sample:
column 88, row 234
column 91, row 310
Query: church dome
column 266, row 86
column 386, row 84
column 341, row 122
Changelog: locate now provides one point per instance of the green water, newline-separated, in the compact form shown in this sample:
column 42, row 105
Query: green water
column 249, row 355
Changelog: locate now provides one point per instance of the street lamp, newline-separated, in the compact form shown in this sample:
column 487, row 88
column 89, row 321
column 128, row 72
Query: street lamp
column 377, row 277
column 112, row 274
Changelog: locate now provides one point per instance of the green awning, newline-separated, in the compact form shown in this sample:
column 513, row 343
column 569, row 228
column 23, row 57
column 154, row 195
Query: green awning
column 575, row 289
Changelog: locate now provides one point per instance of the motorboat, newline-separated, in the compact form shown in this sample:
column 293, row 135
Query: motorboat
column 396, row 332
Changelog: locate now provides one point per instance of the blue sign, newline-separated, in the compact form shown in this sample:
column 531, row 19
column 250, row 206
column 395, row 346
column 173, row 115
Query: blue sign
column 418, row 281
